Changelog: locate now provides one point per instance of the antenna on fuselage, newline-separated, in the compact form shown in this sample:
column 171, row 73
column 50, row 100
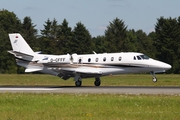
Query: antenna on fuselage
column 94, row 52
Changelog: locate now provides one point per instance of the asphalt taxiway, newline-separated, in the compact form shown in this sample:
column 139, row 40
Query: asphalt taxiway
column 169, row 90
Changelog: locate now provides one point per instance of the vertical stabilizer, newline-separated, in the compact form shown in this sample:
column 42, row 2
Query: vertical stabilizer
column 19, row 44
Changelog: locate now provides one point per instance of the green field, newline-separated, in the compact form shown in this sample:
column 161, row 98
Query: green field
column 88, row 107
column 54, row 106
column 119, row 80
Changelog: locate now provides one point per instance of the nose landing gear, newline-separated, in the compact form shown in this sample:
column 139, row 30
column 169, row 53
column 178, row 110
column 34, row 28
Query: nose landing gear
column 154, row 79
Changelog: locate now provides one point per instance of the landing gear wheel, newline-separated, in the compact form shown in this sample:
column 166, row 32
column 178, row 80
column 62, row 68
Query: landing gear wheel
column 154, row 79
column 78, row 83
column 97, row 82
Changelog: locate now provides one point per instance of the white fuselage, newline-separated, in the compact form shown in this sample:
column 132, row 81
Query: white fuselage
column 94, row 64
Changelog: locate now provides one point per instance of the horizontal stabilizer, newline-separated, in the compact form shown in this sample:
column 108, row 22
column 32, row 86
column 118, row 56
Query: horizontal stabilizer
column 21, row 55
column 33, row 70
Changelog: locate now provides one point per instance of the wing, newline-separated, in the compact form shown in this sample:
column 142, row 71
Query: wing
column 83, row 72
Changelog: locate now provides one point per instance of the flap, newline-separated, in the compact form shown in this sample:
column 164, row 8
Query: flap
column 32, row 69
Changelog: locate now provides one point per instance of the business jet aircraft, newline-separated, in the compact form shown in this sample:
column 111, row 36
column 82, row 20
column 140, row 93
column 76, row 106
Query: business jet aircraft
column 83, row 66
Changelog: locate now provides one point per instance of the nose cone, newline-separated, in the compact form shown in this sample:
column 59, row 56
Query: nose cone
column 160, row 66
column 163, row 65
column 166, row 66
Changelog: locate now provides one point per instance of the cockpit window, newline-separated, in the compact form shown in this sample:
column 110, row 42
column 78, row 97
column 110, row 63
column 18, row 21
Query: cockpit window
column 145, row 57
column 141, row 57
column 138, row 57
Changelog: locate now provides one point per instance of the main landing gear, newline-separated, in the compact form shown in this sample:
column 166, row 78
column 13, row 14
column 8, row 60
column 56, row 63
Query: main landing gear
column 78, row 81
column 154, row 79
column 97, row 81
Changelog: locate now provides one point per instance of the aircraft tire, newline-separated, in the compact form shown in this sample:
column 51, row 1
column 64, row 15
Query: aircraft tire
column 97, row 82
column 154, row 79
column 78, row 83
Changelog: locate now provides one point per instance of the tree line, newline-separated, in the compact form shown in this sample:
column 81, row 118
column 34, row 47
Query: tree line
column 58, row 38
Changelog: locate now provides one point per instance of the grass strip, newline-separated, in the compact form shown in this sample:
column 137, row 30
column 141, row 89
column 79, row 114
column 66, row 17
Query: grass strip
column 88, row 106
column 118, row 80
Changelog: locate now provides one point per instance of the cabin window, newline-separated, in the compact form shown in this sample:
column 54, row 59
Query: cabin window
column 104, row 59
column 80, row 61
column 96, row 59
column 112, row 58
column 134, row 57
column 120, row 58
column 71, row 58
column 89, row 60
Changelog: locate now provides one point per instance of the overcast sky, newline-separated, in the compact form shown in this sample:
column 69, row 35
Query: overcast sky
column 95, row 14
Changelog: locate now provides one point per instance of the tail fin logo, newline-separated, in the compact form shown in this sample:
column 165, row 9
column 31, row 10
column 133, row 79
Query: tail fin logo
column 15, row 41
